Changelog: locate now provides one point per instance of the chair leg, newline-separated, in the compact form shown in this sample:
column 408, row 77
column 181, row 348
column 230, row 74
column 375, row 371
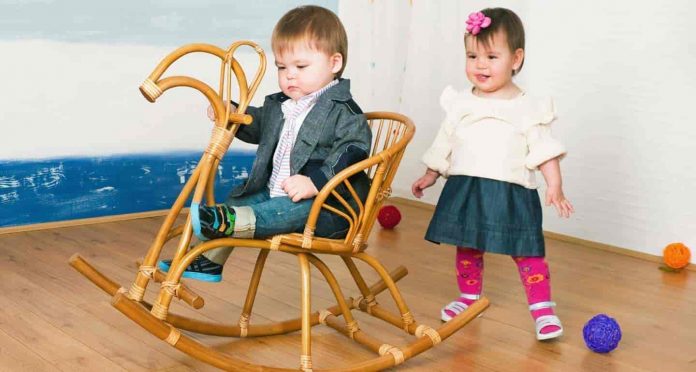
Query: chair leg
column 406, row 316
column 351, row 323
column 306, row 356
column 142, row 278
column 251, row 292
column 367, row 296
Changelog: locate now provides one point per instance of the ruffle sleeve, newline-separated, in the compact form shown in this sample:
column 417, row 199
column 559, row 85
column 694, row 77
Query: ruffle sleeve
column 437, row 157
column 542, row 146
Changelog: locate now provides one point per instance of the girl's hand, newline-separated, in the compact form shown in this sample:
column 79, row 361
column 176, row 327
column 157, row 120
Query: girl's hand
column 554, row 195
column 299, row 187
column 424, row 182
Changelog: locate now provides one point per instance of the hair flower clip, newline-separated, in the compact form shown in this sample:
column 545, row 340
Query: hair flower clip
column 476, row 22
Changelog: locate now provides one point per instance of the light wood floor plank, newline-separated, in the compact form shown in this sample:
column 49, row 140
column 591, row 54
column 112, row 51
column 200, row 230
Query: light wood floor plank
column 51, row 343
column 15, row 356
column 52, row 318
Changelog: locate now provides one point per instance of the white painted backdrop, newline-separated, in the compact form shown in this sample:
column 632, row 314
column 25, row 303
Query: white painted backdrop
column 70, row 72
column 82, row 99
column 622, row 75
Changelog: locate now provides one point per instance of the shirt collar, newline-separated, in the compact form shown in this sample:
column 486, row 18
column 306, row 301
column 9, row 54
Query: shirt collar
column 305, row 102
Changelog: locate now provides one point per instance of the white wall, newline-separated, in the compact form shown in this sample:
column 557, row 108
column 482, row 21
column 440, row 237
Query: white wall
column 75, row 99
column 621, row 73
column 70, row 72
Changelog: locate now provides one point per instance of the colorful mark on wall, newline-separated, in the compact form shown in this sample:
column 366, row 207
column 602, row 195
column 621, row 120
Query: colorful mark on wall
column 36, row 191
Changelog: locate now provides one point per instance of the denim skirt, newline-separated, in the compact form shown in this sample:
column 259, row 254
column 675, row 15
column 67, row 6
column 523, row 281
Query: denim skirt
column 488, row 215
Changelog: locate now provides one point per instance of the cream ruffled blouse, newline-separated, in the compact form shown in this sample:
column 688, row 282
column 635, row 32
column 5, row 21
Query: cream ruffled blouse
column 501, row 139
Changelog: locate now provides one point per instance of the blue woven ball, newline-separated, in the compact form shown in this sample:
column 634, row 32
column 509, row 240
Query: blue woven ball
column 602, row 333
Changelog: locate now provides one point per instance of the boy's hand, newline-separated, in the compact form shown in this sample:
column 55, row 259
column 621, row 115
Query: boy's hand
column 299, row 187
column 423, row 183
column 554, row 195
column 211, row 112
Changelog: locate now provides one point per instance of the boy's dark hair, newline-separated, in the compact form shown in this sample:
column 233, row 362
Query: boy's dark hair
column 317, row 26
column 508, row 22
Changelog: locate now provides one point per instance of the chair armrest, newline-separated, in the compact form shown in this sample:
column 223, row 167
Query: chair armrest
column 330, row 189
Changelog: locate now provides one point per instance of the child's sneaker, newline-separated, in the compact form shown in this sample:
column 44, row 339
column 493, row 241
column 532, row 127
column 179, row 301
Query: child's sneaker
column 212, row 222
column 201, row 269
column 548, row 326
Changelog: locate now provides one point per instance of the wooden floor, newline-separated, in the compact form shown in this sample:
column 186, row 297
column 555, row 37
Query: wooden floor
column 51, row 318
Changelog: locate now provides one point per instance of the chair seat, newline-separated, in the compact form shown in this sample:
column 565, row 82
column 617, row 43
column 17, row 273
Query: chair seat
column 318, row 244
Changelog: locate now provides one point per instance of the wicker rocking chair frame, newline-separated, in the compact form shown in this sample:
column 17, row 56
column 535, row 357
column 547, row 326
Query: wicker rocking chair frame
column 391, row 134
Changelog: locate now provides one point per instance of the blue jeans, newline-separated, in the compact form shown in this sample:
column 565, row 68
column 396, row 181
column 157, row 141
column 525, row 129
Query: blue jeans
column 280, row 215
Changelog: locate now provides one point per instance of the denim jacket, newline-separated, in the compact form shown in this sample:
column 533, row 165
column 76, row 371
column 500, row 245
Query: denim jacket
column 333, row 136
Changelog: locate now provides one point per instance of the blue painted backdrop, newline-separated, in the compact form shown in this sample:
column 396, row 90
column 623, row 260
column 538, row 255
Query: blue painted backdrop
column 52, row 190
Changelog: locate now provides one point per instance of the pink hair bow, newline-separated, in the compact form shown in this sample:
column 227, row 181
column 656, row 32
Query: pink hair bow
column 476, row 22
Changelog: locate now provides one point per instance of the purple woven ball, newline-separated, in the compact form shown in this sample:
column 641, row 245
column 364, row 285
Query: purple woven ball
column 602, row 333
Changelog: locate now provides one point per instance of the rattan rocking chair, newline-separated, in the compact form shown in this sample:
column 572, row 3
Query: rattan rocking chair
column 391, row 133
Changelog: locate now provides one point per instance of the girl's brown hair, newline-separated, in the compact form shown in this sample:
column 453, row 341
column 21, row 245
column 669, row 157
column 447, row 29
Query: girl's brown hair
column 319, row 27
column 507, row 21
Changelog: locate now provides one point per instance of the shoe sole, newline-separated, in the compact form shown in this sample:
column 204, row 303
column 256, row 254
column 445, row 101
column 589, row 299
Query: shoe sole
column 195, row 276
column 550, row 335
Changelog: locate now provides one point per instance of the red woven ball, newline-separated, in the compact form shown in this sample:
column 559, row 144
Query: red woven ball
column 389, row 216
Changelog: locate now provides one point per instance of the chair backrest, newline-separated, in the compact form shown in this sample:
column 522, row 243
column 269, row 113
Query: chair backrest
column 391, row 132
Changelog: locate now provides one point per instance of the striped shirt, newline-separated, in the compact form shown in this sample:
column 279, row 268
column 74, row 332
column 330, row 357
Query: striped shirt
column 294, row 112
